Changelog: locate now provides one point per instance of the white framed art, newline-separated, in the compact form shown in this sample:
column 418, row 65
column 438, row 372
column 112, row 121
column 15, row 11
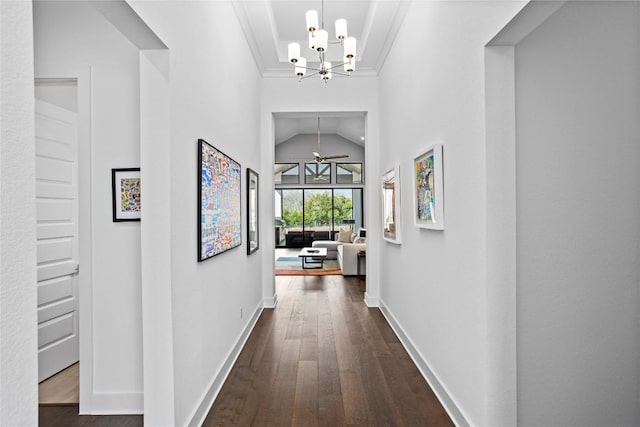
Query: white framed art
column 428, row 189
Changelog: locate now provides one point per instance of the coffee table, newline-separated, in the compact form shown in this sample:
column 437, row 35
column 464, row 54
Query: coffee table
column 312, row 256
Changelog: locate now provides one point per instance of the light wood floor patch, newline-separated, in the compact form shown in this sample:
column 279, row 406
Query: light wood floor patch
column 62, row 388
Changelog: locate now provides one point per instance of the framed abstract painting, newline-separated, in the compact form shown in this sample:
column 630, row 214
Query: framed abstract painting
column 428, row 189
column 219, row 193
column 125, row 194
column 391, row 207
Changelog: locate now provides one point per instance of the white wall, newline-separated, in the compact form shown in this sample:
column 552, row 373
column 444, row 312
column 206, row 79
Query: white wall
column 155, row 234
column 433, row 285
column 578, row 217
column 215, row 95
column 75, row 33
column 18, row 331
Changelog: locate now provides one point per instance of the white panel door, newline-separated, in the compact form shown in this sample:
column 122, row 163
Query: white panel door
column 57, row 233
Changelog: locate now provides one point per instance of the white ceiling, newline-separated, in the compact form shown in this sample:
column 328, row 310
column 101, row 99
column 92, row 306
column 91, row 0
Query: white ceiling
column 270, row 25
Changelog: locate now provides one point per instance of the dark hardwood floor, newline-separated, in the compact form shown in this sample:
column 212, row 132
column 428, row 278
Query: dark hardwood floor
column 67, row 416
column 321, row 357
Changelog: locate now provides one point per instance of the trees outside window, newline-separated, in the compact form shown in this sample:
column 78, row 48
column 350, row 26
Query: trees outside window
column 320, row 210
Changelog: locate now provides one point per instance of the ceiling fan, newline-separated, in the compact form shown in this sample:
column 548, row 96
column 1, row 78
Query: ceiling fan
column 319, row 158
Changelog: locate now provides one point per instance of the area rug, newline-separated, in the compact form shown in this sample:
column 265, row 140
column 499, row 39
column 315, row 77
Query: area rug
column 292, row 266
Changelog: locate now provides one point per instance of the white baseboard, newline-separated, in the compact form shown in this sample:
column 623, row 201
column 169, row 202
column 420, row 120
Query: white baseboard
column 270, row 302
column 440, row 391
column 116, row 404
column 206, row 402
column 371, row 301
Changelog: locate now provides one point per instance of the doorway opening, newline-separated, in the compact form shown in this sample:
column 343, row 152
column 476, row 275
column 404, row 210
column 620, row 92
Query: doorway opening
column 319, row 181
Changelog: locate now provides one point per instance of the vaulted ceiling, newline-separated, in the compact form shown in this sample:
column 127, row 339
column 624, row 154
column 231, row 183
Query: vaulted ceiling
column 348, row 125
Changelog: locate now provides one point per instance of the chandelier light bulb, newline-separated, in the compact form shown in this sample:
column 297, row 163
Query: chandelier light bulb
column 322, row 40
column 301, row 67
column 341, row 29
column 312, row 20
column 350, row 47
column 294, row 52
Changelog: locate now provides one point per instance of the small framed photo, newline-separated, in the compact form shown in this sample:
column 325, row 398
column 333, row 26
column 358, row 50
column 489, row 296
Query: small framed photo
column 428, row 189
column 253, row 192
column 125, row 194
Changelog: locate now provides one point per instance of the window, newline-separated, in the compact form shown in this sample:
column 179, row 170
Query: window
column 304, row 215
column 286, row 173
column 349, row 173
column 347, row 205
column 317, row 210
column 317, row 173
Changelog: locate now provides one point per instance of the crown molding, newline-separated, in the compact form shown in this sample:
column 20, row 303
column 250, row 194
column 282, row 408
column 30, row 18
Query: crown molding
column 243, row 19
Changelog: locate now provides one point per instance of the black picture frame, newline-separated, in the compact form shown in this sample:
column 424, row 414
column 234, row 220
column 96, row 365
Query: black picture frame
column 125, row 194
column 253, row 211
column 219, row 182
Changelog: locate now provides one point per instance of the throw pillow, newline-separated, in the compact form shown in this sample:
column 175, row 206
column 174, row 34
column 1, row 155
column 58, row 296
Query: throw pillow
column 344, row 236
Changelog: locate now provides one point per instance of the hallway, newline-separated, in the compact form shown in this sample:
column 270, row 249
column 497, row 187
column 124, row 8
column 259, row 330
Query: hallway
column 321, row 357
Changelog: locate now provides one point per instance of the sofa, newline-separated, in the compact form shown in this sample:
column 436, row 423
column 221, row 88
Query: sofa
column 348, row 258
column 345, row 248
column 332, row 245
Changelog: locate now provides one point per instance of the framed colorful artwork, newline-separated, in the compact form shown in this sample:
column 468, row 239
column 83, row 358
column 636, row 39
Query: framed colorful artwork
column 125, row 194
column 428, row 189
column 391, row 207
column 219, row 214
column 252, row 211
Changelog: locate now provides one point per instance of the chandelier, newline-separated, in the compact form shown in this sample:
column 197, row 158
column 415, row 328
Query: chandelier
column 318, row 42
